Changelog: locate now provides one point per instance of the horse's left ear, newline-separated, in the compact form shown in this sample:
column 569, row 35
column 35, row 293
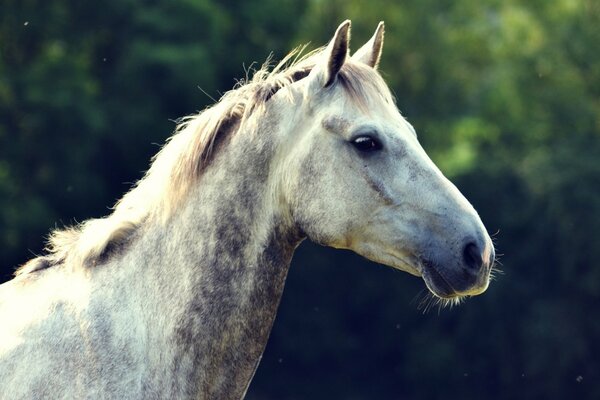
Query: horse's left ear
column 370, row 53
column 335, row 54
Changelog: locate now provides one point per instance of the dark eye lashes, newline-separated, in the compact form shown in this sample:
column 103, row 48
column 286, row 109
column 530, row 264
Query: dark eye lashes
column 366, row 143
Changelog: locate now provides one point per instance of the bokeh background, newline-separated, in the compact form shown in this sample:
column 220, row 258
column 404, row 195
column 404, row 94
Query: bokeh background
column 505, row 96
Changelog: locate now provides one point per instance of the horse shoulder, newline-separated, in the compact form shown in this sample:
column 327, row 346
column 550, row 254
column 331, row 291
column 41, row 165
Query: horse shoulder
column 81, row 332
column 48, row 342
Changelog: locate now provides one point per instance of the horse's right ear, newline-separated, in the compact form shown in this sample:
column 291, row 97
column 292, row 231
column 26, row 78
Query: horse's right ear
column 334, row 55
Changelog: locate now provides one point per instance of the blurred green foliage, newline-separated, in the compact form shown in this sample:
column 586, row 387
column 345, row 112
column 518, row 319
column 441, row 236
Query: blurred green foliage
column 505, row 96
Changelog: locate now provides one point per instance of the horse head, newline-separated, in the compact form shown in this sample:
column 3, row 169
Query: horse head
column 357, row 178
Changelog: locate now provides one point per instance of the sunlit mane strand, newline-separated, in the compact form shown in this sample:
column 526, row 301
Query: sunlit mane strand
column 177, row 166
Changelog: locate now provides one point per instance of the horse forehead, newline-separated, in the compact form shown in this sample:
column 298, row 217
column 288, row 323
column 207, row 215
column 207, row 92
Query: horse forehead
column 348, row 112
column 336, row 123
column 345, row 122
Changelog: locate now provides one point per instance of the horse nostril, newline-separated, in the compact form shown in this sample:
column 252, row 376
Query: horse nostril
column 472, row 257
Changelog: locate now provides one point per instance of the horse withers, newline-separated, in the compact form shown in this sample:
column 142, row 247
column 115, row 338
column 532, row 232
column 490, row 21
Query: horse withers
column 174, row 293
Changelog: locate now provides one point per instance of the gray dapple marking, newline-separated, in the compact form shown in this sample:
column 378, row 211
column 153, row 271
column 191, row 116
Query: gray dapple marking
column 173, row 295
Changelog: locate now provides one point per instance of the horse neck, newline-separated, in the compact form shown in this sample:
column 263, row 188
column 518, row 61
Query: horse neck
column 222, row 260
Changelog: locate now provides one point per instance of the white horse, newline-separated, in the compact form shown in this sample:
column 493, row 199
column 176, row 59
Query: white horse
column 173, row 295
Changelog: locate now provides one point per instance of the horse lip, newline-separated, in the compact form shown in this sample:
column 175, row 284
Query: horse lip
column 436, row 282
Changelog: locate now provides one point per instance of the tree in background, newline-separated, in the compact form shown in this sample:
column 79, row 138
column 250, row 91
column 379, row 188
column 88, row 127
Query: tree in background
column 505, row 96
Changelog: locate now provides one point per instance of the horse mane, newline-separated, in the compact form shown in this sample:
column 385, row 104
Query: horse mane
column 179, row 163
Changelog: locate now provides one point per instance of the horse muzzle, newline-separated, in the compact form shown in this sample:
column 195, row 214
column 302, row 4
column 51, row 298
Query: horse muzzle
column 466, row 275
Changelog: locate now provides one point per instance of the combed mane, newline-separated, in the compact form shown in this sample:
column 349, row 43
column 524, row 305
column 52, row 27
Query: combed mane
column 176, row 167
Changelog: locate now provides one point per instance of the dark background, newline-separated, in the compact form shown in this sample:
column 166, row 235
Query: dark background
column 504, row 96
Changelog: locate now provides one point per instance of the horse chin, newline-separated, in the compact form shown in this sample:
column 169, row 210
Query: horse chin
column 442, row 287
column 435, row 282
column 438, row 285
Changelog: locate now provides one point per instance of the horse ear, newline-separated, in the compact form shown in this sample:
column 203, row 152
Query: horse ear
column 370, row 53
column 336, row 52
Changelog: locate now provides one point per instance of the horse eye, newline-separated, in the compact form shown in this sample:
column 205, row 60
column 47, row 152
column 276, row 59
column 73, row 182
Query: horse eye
column 366, row 144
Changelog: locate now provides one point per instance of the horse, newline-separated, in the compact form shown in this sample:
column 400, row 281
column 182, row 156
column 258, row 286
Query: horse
column 173, row 295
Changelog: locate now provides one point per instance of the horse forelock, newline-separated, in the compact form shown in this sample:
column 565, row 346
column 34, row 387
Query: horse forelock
column 177, row 166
